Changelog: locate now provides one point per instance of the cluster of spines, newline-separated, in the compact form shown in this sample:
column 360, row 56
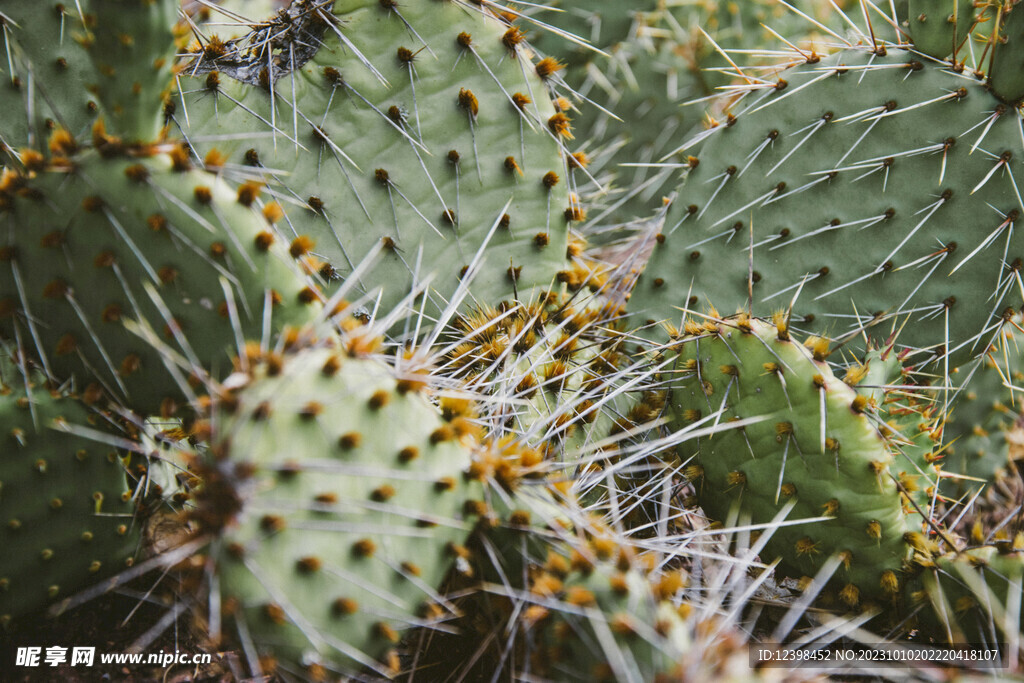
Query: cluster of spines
column 581, row 360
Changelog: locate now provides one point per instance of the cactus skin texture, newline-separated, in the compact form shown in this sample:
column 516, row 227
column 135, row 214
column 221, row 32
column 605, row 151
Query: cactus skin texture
column 49, row 71
column 851, row 191
column 348, row 506
column 907, row 416
column 67, row 513
column 91, row 241
column 605, row 622
column 543, row 366
column 131, row 45
column 1006, row 71
column 753, row 369
column 984, row 411
column 420, row 152
column 939, row 28
column 657, row 61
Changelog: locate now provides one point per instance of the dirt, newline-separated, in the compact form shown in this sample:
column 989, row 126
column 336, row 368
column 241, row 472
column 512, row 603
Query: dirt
column 110, row 623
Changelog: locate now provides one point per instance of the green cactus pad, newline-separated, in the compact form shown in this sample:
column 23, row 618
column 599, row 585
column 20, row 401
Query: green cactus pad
column 1006, row 71
column 68, row 518
column 131, row 45
column 657, row 61
column 974, row 595
column 816, row 448
column 543, row 367
column 413, row 125
column 92, row 242
column 598, row 622
column 854, row 178
column 987, row 407
column 908, row 416
column 340, row 501
column 939, row 27
column 44, row 75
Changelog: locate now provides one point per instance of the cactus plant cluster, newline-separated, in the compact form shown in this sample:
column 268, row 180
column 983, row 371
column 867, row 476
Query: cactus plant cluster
column 337, row 294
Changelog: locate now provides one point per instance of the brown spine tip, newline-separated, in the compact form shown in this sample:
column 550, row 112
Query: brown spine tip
column 273, row 212
column 248, row 193
column 272, row 523
column 442, row 434
column 344, row 606
column 301, row 246
column 512, row 166
column 203, row 194
column 559, row 125
column 512, row 38
column 385, row 632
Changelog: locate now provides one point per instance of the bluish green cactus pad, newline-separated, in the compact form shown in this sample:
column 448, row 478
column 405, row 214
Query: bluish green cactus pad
column 420, row 125
column 876, row 190
column 67, row 515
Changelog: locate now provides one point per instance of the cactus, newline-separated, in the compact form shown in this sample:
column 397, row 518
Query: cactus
column 542, row 367
column 657, row 60
column 1005, row 69
column 508, row 477
column 421, row 126
column 908, row 415
column 94, row 239
column 337, row 499
column 937, row 31
column 974, row 594
column 68, row 514
column 599, row 622
column 851, row 177
column 987, row 407
column 811, row 451
column 131, row 46
column 45, row 75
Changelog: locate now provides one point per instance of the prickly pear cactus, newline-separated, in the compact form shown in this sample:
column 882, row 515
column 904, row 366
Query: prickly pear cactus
column 939, row 29
column 131, row 46
column 973, row 595
column 45, row 73
column 595, row 621
column 1007, row 65
column 852, row 178
column 338, row 499
column 811, row 450
column 986, row 408
column 659, row 62
column 96, row 238
column 424, row 127
column 68, row 515
column 909, row 416
column 548, row 369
